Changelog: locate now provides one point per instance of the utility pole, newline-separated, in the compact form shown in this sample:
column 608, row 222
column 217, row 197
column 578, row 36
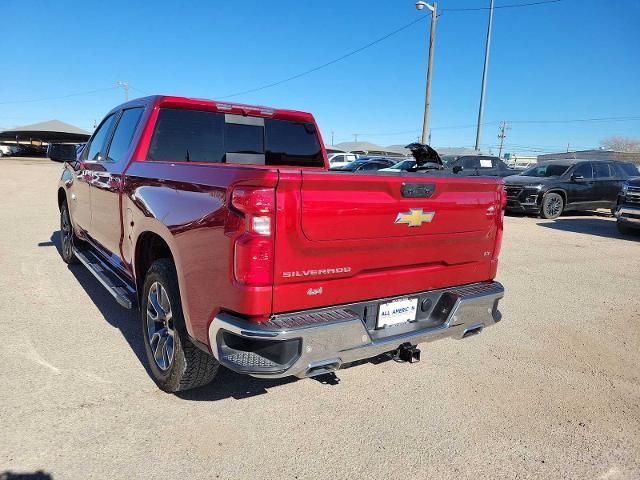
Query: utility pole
column 332, row 138
column 355, row 137
column 427, row 100
column 567, row 147
column 125, row 86
column 484, row 78
column 429, row 138
column 504, row 126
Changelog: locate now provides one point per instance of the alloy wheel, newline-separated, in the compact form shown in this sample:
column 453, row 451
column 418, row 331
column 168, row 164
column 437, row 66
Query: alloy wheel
column 160, row 327
column 67, row 233
column 553, row 206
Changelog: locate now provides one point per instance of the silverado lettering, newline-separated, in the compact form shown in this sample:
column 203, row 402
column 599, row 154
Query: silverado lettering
column 191, row 210
column 324, row 271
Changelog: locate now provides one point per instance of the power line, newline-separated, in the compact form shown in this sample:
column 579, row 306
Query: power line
column 371, row 44
column 77, row 94
column 331, row 62
column 513, row 5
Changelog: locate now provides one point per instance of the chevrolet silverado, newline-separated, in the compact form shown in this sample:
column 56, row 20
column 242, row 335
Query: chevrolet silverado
column 221, row 223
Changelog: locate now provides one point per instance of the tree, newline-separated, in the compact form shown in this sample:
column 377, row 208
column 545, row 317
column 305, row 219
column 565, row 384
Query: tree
column 621, row 144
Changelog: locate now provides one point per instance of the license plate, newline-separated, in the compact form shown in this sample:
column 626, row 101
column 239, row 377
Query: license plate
column 397, row 312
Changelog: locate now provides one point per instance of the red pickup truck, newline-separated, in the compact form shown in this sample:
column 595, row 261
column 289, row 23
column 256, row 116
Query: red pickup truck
column 222, row 223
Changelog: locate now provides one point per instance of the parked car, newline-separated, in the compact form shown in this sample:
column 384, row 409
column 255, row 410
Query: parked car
column 6, row 150
column 367, row 164
column 223, row 225
column 628, row 206
column 402, row 166
column 550, row 188
column 475, row 165
column 341, row 159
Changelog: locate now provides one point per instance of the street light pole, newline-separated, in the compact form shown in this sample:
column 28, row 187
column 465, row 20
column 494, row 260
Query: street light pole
column 484, row 78
column 427, row 100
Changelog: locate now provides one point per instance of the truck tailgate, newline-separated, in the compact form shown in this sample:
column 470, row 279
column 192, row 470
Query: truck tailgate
column 343, row 237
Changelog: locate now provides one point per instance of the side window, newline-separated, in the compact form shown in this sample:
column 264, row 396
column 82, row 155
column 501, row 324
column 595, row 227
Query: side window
column 96, row 150
column 487, row 163
column 351, row 158
column 124, row 134
column 583, row 170
column 602, row 170
column 187, row 135
column 627, row 170
column 469, row 163
column 372, row 166
column 338, row 158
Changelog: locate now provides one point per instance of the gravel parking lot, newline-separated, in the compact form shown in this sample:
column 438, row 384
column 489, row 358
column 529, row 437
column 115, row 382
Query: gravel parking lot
column 551, row 392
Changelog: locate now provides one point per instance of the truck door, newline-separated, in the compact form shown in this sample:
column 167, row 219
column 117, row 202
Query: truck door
column 81, row 192
column 106, row 226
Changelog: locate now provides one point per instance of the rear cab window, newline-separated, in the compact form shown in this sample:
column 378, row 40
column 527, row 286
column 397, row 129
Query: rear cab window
column 182, row 135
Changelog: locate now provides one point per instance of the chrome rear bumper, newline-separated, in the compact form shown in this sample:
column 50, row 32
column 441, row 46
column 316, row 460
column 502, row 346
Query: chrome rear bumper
column 313, row 342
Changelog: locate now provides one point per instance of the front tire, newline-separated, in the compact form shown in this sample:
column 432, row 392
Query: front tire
column 552, row 206
column 67, row 237
column 175, row 362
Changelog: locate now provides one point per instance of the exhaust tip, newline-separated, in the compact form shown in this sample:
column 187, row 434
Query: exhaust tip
column 476, row 329
column 320, row 368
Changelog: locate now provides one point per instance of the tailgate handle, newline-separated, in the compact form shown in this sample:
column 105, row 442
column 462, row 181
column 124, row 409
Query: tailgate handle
column 417, row 190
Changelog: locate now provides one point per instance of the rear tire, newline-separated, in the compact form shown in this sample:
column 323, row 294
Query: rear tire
column 552, row 206
column 175, row 362
column 68, row 239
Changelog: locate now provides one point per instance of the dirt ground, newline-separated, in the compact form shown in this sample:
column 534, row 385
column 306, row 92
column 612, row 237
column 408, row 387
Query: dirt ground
column 553, row 391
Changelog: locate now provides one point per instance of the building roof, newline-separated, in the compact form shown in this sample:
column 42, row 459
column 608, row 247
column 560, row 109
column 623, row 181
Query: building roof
column 594, row 154
column 49, row 131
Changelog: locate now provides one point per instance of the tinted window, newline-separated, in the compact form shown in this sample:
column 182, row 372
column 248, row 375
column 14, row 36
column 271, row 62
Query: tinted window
column 546, row 170
column 628, row 170
column 98, row 145
column 124, row 134
column 188, row 135
column 602, row 170
column 583, row 170
column 244, row 138
column 469, row 163
column 487, row 162
column 372, row 166
column 292, row 143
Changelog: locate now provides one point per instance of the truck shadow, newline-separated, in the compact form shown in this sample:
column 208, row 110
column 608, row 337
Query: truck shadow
column 37, row 475
column 599, row 226
column 227, row 384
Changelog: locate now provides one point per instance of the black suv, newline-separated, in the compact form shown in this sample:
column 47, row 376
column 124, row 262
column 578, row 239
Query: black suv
column 550, row 188
column 628, row 208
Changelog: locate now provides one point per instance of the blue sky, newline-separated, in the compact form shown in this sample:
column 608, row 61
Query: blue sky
column 575, row 59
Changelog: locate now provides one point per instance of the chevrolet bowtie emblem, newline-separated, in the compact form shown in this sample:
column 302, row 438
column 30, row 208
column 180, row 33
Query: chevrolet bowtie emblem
column 415, row 217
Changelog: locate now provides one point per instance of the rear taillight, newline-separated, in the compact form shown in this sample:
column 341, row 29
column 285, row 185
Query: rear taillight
column 500, row 223
column 253, row 250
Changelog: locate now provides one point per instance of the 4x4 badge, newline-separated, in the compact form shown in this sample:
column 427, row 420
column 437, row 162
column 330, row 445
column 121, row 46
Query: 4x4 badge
column 415, row 217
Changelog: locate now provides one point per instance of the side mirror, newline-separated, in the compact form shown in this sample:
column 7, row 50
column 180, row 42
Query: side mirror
column 61, row 152
column 458, row 169
column 576, row 178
